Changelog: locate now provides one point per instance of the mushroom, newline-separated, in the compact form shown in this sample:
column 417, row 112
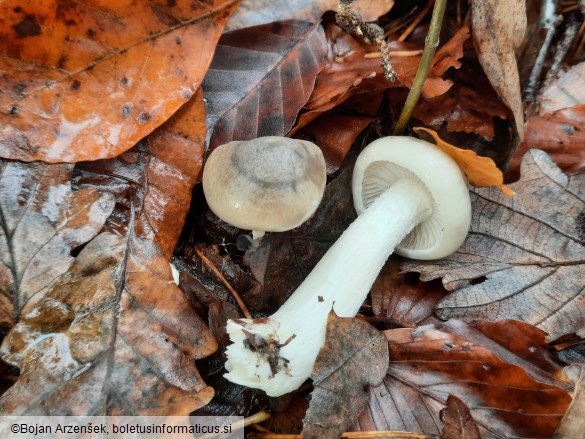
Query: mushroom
column 410, row 196
column 269, row 184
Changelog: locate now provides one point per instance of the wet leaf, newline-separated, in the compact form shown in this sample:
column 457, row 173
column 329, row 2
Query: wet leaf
column 481, row 171
column 42, row 221
column 60, row 60
column 156, row 176
column 524, row 256
column 260, row 78
column 353, row 358
column 457, row 421
column 495, row 375
column 498, row 28
column 567, row 91
column 573, row 423
column 256, row 12
column 113, row 335
column 560, row 134
column 450, row 54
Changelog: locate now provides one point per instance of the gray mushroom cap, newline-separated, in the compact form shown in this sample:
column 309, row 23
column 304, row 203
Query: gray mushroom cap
column 269, row 184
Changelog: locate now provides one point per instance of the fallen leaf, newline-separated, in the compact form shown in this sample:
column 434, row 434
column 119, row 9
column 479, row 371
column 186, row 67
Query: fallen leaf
column 481, row 171
column 260, row 78
column 156, row 176
column 42, row 222
column 507, row 395
column 113, row 335
column 334, row 133
column 560, row 134
column 450, row 53
column 567, row 91
column 572, row 425
column 60, row 60
column 524, row 256
column 457, row 421
column 401, row 298
column 256, row 12
column 498, row 28
column 353, row 358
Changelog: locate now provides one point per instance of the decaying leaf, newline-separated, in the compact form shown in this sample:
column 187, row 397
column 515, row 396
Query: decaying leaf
column 573, row 424
column 260, row 78
column 58, row 63
column 481, row 171
column 113, row 335
column 42, row 221
column 256, row 12
column 457, row 420
column 505, row 379
column 524, row 257
column 156, row 177
column 567, row 91
column 498, row 28
column 560, row 134
column 353, row 358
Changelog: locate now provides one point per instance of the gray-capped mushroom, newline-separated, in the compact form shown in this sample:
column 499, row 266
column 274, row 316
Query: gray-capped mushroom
column 269, row 184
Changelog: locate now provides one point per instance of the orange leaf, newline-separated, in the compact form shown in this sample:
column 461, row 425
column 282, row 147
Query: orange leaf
column 481, row 171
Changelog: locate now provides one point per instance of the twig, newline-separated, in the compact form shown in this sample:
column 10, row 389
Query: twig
column 224, row 282
column 422, row 14
column 351, row 435
column 431, row 43
column 394, row 53
column 351, row 22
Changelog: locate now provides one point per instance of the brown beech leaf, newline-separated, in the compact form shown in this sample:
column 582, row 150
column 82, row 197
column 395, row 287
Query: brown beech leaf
column 353, row 358
column 508, row 381
column 567, row 91
column 114, row 335
column 157, row 176
column 402, row 299
column 524, row 257
column 260, row 78
column 481, row 171
column 87, row 80
column 42, row 221
column 560, row 134
column 457, row 421
column 335, row 133
column 573, row 423
column 256, row 12
column 449, row 54
column 498, row 28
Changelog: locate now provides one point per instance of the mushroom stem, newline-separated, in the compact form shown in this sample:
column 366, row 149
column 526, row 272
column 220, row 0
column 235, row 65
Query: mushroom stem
column 277, row 354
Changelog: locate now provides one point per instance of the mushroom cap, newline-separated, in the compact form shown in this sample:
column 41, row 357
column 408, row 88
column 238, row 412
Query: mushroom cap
column 269, row 184
column 387, row 159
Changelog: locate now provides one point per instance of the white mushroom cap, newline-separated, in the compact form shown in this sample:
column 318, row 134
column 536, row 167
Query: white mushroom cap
column 267, row 184
column 387, row 159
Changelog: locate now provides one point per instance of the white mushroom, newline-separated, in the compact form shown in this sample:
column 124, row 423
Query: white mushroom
column 269, row 184
column 422, row 210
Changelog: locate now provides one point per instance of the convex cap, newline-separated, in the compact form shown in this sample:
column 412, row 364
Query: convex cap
column 388, row 159
column 269, row 184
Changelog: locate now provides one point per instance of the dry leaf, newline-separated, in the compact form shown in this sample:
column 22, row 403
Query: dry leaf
column 524, row 256
column 60, row 60
column 42, row 221
column 114, row 335
column 498, row 28
column 260, row 78
column 481, row 171
column 450, row 53
column 567, row 91
column 560, row 134
column 353, row 358
column 157, row 176
column 256, row 12
column 573, row 424
column 457, row 420
column 510, row 390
